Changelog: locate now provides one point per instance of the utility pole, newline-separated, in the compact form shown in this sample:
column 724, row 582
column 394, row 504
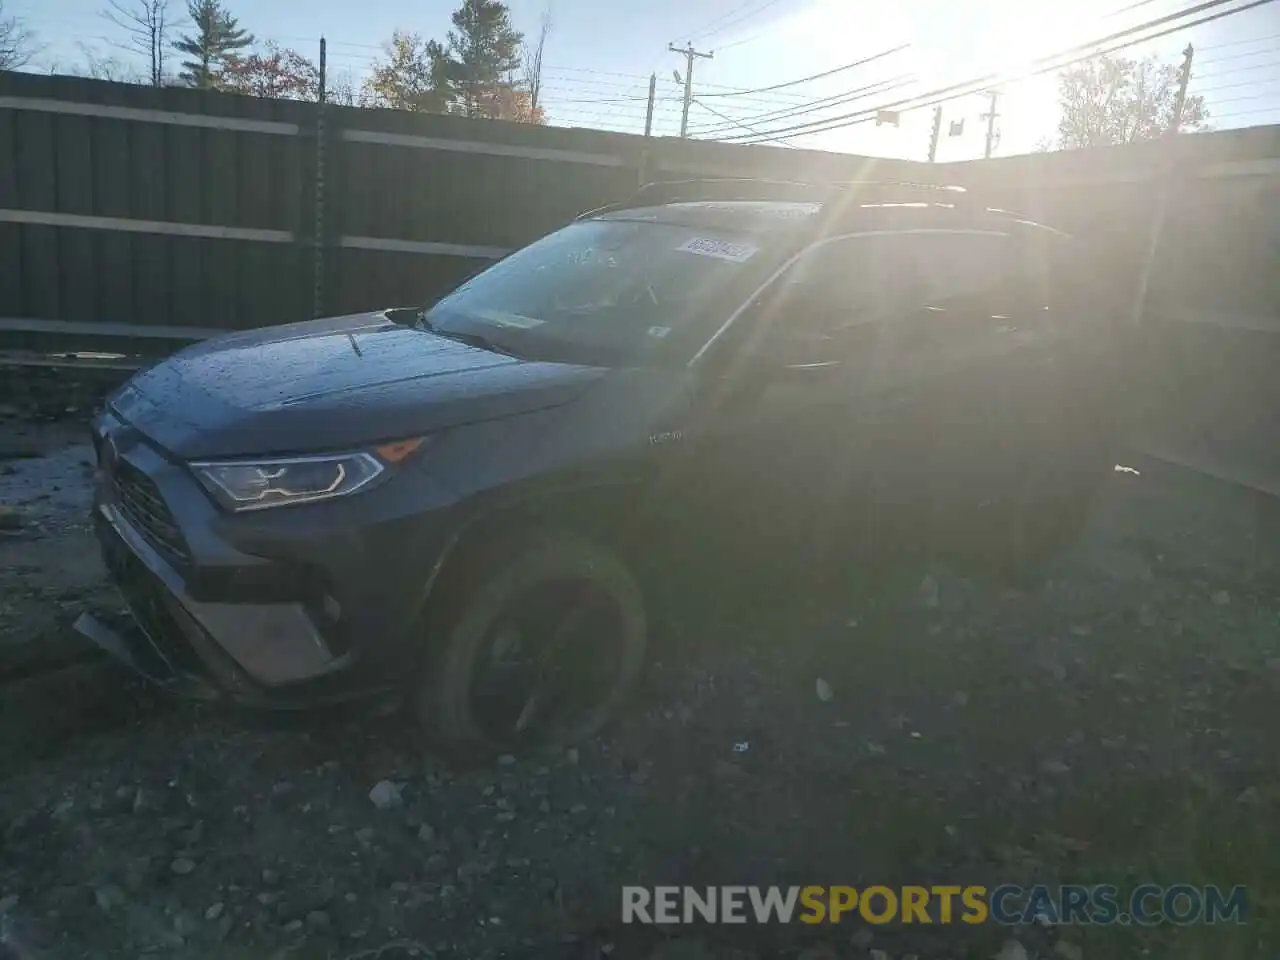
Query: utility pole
column 1184, row 78
column 1164, row 189
column 937, row 132
column 648, row 116
column 317, row 241
column 990, row 117
column 689, row 55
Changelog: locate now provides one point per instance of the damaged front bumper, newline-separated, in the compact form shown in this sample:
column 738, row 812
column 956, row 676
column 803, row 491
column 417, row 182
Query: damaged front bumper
column 256, row 654
column 262, row 638
column 130, row 646
column 289, row 608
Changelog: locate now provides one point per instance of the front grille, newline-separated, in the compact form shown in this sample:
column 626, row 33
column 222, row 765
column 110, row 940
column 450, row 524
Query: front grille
column 147, row 602
column 140, row 501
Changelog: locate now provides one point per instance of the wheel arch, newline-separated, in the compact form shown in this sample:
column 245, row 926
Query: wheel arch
column 598, row 508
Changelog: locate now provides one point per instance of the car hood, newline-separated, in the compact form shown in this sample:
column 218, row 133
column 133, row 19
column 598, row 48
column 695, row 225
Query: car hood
column 329, row 384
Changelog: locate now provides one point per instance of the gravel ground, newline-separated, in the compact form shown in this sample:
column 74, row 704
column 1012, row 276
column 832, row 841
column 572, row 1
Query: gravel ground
column 1116, row 724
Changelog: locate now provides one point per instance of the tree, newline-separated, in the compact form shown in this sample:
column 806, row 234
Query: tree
column 96, row 66
column 414, row 76
column 474, row 74
column 146, row 25
column 217, row 40
column 342, row 89
column 531, row 62
column 1111, row 100
column 277, row 72
column 17, row 44
column 484, row 52
column 508, row 101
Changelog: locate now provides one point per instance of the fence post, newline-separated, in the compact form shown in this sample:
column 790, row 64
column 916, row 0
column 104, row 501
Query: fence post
column 317, row 240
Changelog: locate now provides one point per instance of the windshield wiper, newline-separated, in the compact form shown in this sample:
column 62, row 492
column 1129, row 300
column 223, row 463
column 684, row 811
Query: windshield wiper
column 470, row 339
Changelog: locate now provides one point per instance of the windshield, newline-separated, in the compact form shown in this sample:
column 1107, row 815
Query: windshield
column 607, row 292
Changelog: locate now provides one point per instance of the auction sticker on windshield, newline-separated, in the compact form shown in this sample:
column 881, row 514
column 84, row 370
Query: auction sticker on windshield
column 720, row 249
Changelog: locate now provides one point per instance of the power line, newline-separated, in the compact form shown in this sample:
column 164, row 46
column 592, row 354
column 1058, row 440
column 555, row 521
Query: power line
column 1245, row 113
column 733, row 23
column 1247, row 96
column 839, row 99
column 1238, row 56
column 603, row 84
column 1236, row 43
column 603, row 73
column 774, row 101
column 556, row 91
column 610, row 114
column 645, row 78
column 826, row 73
column 612, row 89
column 736, row 123
column 744, row 41
column 1132, row 6
column 1235, row 86
column 1227, row 73
column 707, row 28
column 662, row 104
column 1087, row 51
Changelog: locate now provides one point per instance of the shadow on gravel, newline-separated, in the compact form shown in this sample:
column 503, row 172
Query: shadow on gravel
column 1114, row 725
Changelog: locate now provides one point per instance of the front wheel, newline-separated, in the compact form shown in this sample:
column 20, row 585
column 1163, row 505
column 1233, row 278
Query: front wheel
column 542, row 646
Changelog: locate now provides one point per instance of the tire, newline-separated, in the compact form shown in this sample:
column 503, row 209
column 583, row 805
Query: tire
column 495, row 588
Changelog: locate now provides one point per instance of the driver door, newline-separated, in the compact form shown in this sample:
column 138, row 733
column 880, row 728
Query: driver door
column 783, row 433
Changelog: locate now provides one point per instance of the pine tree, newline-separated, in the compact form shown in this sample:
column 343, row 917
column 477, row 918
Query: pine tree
column 216, row 40
column 484, row 53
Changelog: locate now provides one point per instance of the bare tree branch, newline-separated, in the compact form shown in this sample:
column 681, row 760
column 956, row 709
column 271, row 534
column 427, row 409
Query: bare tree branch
column 1111, row 100
column 146, row 24
column 96, row 66
column 17, row 43
column 531, row 61
column 342, row 89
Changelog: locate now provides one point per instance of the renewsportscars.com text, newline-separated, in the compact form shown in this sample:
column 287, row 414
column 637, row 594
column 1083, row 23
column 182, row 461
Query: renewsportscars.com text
column 1069, row 904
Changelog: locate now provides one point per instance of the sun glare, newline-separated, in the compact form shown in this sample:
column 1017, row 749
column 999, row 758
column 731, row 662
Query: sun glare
column 1019, row 34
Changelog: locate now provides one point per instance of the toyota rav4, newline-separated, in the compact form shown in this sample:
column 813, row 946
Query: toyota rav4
column 461, row 501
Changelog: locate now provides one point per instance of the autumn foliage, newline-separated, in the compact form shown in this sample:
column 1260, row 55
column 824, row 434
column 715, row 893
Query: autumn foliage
column 481, row 69
column 471, row 74
column 276, row 72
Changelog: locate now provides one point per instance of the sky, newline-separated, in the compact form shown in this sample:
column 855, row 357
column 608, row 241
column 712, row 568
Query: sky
column 600, row 53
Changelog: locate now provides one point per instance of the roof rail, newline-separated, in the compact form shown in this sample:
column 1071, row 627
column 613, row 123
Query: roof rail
column 726, row 189
column 748, row 188
column 909, row 184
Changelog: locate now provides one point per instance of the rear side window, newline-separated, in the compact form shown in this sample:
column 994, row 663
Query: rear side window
column 893, row 277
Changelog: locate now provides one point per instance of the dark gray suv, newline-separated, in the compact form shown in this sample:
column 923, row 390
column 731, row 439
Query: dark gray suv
column 458, row 501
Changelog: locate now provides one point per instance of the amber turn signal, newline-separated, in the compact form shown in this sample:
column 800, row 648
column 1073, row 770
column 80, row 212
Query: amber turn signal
column 397, row 451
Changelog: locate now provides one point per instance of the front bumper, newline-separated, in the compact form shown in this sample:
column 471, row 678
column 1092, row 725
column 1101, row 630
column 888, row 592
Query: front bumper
column 293, row 611
column 250, row 653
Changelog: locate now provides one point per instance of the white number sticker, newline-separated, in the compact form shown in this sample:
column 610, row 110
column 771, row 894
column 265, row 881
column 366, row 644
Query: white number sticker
column 720, row 249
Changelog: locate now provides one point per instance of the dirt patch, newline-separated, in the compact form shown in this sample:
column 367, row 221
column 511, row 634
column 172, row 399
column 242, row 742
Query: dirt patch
column 1114, row 726
column 50, row 570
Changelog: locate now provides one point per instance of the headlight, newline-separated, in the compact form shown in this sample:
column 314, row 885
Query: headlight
column 242, row 485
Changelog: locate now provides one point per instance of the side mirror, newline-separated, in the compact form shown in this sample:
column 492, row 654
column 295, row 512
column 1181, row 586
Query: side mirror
column 403, row 316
